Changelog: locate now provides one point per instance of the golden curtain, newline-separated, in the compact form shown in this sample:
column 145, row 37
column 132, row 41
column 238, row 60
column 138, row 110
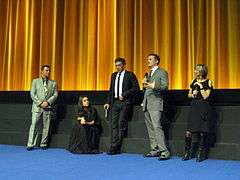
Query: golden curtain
column 81, row 38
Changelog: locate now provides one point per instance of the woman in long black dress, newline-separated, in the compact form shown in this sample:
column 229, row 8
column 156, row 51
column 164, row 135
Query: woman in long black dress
column 85, row 134
column 200, row 114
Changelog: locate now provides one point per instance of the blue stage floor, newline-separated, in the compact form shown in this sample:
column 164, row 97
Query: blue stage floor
column 58, row 164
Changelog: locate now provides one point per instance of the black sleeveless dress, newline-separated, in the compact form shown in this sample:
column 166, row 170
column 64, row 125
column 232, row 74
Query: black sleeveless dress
column 200, row 115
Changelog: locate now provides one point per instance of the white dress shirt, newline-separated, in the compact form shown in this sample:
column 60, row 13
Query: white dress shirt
column 153, row 70
column 120, row 84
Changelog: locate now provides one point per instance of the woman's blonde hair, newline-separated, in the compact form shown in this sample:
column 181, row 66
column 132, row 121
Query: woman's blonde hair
column 202, row 70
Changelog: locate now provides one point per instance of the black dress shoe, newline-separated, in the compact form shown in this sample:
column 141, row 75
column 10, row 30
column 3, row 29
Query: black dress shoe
column 30, row 148
column 186, row 157
column 151, row 154
column 44, row 147
column 165, row 155
column 113, row 152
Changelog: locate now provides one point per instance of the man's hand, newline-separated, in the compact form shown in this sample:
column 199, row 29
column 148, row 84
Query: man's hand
column 149, row 85
column 44, row 104
column 144, row 80
column 121, row 98
column 106, row 106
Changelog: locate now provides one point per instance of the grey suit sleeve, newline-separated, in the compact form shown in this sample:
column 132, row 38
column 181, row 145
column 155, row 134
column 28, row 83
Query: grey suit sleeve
column 33, row 94
column 161, row 83
column 53, row 98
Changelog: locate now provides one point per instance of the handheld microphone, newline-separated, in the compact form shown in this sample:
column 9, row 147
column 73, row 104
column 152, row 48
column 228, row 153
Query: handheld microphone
column 146, row 76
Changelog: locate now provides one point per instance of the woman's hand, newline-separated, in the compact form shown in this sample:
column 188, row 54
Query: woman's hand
column 199, row 84
column 83, row 121
column 194, row 93
column 90, row 123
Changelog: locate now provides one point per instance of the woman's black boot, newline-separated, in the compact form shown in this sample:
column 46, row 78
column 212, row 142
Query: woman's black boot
column 202, row 150
column 187, row 155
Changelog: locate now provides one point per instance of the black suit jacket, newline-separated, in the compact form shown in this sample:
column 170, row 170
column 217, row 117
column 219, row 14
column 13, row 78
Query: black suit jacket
column 130, row 87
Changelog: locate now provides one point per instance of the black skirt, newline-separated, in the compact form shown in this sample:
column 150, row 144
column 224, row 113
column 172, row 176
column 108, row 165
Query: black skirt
column 84, row 139
column 200, row 116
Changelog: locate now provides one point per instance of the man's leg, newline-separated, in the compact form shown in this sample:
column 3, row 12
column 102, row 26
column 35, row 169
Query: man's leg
column 150, row 129
column 32, row 138
column 125, row 113
column 115, row 112
column 46, row 125
column 158, row 131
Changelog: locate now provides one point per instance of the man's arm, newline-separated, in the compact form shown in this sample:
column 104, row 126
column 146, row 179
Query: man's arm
column 33, row 93
column 135, row 87
column 53, row 98
column 161, row 83
column 110, row 91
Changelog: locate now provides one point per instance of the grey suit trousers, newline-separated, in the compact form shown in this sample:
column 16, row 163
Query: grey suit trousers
column 155, row 132
column 45, row 116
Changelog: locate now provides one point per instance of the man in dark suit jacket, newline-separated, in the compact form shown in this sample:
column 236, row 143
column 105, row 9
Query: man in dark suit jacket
column 124, row 86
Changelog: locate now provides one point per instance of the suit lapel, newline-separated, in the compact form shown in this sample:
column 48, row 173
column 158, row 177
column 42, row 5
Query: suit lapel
column 113, row 81
column 49, row 85
column 42, row 86
column 40, row 81
column 124, row 80
column 155, row 72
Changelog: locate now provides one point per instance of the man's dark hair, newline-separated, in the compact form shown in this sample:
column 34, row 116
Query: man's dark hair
column 157, row 57
column 120, row 59
column 43, row 66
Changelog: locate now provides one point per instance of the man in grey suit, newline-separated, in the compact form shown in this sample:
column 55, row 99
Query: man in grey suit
column 154, row 83
column 43, row 93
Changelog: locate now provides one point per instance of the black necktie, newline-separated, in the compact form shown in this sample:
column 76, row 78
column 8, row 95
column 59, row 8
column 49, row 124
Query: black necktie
column 45, row 87
column 118, row 85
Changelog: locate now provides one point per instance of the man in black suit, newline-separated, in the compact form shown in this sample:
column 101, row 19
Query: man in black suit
column 124, row 86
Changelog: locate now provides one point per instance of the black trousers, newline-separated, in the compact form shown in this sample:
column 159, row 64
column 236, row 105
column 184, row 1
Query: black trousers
column 120, row 114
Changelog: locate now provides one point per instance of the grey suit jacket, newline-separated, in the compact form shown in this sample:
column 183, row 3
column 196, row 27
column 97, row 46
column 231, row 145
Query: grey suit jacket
column 153, row 98
column 38, row 94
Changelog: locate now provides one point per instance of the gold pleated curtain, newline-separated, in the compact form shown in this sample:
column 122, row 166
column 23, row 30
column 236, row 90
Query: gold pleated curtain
column 81, row 38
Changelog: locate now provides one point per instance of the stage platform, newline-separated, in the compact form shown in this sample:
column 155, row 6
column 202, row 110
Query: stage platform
column 15, row 120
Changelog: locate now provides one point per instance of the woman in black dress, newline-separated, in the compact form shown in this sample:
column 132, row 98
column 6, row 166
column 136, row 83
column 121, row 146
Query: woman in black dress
column 85, row 134
column 200, row 113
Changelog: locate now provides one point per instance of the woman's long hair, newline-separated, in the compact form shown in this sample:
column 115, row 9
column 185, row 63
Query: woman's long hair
column 80, row 103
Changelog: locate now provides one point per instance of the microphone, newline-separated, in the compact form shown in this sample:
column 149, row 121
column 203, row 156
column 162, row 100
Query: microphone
column 146, row 76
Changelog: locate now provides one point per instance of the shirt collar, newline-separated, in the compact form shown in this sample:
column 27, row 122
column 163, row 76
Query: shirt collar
column 154, row 69
column 122, row 72
column 44, row 79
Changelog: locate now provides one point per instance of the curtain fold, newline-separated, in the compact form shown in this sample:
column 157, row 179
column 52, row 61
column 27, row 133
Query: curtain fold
column 81, row 38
